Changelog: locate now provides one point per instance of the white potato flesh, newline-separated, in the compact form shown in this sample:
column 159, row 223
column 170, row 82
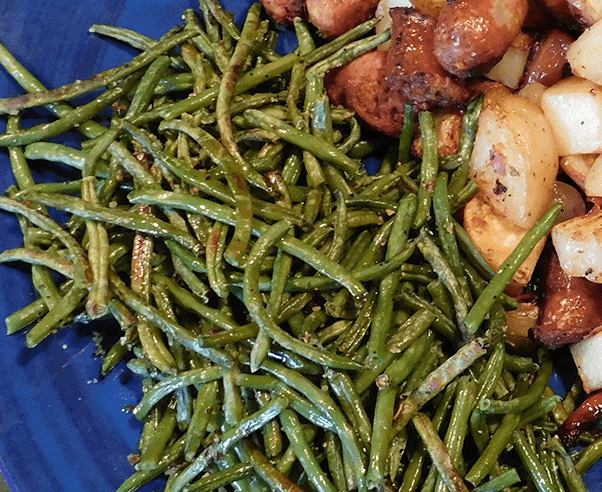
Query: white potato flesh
column 571, row 199
column 533, row 91
column 496, row 237
column 593, row 180
column 578, row 243
column 577, row 167
column 587, row 355
column 574, row 108
column 510, row 68
column 515, row 160
column 519, row 322
column 584, row 54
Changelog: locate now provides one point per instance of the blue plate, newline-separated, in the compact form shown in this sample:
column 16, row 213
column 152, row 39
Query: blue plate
column 63, row 427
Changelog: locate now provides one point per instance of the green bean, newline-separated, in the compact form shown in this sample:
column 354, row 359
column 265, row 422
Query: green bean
column 174, row 330
column 458, row 425
column 220, row 478
column 444, row 271
column 407, row 134
column 469, row 130
column 214, row 254
column 355, row 333
column 37, row 256
column 343, row 387
column 488, row 458
column 381, row 436
column 251, row 423
column 133, row 38
column 305, row 141
column 171, row 384
column 294, row 431
column 205, row 402
column 267, row 471
column 499, row 483
column 508, row 269
column 521, row 403
column 350, row 52
column 139, row 478
column 188, row 301
column 590, row 455
column 11, row 105
column 410, row 330
column 529, row 458
column 54, row 152
column 439, row 378
column 260, row 314
column 105, row 214
column 290, row 245
column 155, row 449
column 71, row 119
column 344, row 430
column 438, row 453
column 428, row 169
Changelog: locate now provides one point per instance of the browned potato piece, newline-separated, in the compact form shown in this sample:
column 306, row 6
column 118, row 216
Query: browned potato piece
column 285, row 11
column 561, row 10
column 570, row 309
column 547, row 60
column 472, row 35
column 496, row 238
column 449, row 130
column 412, row 69
column 334, row 17
column 358, row 85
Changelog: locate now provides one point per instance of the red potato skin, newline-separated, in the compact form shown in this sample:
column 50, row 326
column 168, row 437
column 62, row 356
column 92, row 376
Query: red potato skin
column 547, row 61
column 285, row 11
column 561, row 11
column 335, row 17
column 570, row 308
column 413, row 72
column 359, row 86
column 472, row 35
column 583, row 419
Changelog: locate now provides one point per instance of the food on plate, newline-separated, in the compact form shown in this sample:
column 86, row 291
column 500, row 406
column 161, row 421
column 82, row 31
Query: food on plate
column 285, row 11
column 571, row 307
column 547, row 62
column 496, row 237
column 412, row 72
column 472, row 36
column 294, row 319
column 335, row 17
column 515, row 160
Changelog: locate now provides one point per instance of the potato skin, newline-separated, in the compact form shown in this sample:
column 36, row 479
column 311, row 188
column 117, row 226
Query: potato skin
column 334, row 17
column 547, row 61
column 571, row 308
column 285, row 11
column 413, row 72
column 472, row 35
column 359, row 86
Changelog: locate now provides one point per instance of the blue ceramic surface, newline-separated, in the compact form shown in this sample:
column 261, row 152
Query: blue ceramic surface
column 64, row 428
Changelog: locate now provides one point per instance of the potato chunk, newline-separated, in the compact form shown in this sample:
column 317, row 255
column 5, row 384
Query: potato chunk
column 496, row 237
column 574, row 108
column 515, row 160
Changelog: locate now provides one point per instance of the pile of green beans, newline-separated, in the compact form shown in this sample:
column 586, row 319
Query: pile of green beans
column 296, row 323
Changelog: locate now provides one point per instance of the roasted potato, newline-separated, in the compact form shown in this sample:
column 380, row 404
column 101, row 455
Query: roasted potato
column 334, row 17
column 473, row 35
column 515, row 161
column 285, row 11
column 359, row 86
column 412, row 69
